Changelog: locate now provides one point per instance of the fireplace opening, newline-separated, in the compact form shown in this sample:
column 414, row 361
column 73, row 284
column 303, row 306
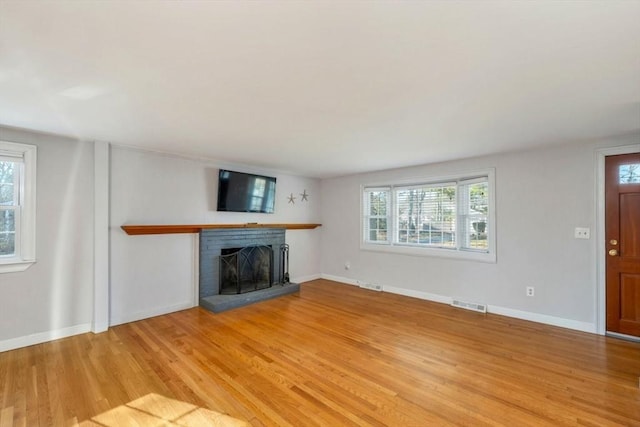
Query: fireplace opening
column 245, row 269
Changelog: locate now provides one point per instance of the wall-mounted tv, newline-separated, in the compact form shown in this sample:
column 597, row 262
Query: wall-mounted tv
column 245, row 192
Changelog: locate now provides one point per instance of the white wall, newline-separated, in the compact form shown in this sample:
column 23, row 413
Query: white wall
column 53, row 298
column 156, row 274
column 541, row 196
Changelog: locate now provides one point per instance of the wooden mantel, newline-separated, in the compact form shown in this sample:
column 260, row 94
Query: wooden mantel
column 196, row 228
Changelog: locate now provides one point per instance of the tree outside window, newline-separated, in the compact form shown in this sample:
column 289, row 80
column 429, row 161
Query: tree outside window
column 8, row 204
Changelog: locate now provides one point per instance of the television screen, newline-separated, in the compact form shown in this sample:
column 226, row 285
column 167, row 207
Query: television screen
column 244, row 192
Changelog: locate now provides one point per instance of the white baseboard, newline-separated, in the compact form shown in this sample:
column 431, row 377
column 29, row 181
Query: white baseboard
column 493, row 309
column 339, row 279
column 393, row 290
column 33, row 339
column 418, row 294
column 133, row 317
column 543, row 318
column 302, row 279
column 97, row 328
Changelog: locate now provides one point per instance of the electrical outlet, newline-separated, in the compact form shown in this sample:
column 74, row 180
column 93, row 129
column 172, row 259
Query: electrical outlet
column 530, row 291
column 347, row 265
column 582, row 233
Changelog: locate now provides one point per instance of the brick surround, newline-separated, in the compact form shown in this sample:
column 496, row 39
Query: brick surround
column 212, row 241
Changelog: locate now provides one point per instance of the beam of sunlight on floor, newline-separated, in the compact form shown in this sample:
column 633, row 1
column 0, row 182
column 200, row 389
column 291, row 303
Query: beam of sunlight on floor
column 156, row 410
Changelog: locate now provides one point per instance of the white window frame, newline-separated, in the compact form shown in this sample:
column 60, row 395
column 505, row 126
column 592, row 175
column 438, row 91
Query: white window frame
column 366, row 214
column 392, row 246
column 25, row 254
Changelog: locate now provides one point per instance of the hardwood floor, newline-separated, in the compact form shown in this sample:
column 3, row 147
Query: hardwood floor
column 332, row 355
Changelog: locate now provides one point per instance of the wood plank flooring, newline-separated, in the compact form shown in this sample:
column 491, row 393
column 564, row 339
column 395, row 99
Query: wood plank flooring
column 332, row 355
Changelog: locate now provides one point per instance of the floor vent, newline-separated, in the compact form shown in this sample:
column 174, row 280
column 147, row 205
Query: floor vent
column 370, row 286
column 470, row 306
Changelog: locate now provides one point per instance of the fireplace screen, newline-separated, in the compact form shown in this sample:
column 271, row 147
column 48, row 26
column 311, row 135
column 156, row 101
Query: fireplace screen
column 245, row 269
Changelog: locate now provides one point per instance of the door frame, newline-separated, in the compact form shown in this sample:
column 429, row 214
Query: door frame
column 601, row 282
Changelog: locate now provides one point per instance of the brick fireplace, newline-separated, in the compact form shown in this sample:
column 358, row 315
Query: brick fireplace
column 215, row 247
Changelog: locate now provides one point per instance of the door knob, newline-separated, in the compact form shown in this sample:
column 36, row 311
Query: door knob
column 613, row 242
column 613, row 252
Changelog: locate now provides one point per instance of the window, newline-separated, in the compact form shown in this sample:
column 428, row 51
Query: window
column 629, row 174
column 375, row 217
column 17, row 206
column 452, row 217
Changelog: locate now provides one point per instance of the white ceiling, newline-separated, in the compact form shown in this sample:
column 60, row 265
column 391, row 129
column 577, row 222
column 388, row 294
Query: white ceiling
column 322, row 88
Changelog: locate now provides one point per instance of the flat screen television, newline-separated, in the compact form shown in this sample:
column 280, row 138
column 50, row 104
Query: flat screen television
column 245, row 192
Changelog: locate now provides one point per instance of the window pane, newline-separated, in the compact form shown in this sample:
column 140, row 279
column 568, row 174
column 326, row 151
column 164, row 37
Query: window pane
column 7, row 232
column 7, row 176
column 378, row 203
column 375, row 215
column 6, row 172
column 474, row 213
column 629, row 174
column 427, row 216
column 377, row 230
column 377, row 236
column 7, row 244
column 382, row 204
column 7, row 220
column 6, row 194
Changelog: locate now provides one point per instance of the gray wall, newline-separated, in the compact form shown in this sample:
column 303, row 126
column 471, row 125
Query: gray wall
column 541, row 196
column 54, row 296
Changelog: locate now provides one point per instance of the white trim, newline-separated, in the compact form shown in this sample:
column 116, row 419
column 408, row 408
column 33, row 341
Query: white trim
column 26, row 220
column 393, row 290
column 437, row 179
column 600, row 264
column 417, row 250
column 13, row 265
column 344, row 280
column 157, row 311
column 418, row 294
column 543, row 318
column 101, row 237
column 302, row 279
column 10, row 156
column 42, row 337
column 432, row 252
column 98, row 328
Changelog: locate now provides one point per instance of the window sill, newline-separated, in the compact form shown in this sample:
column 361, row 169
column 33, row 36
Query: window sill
column 431, row 252
column 13, row 265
